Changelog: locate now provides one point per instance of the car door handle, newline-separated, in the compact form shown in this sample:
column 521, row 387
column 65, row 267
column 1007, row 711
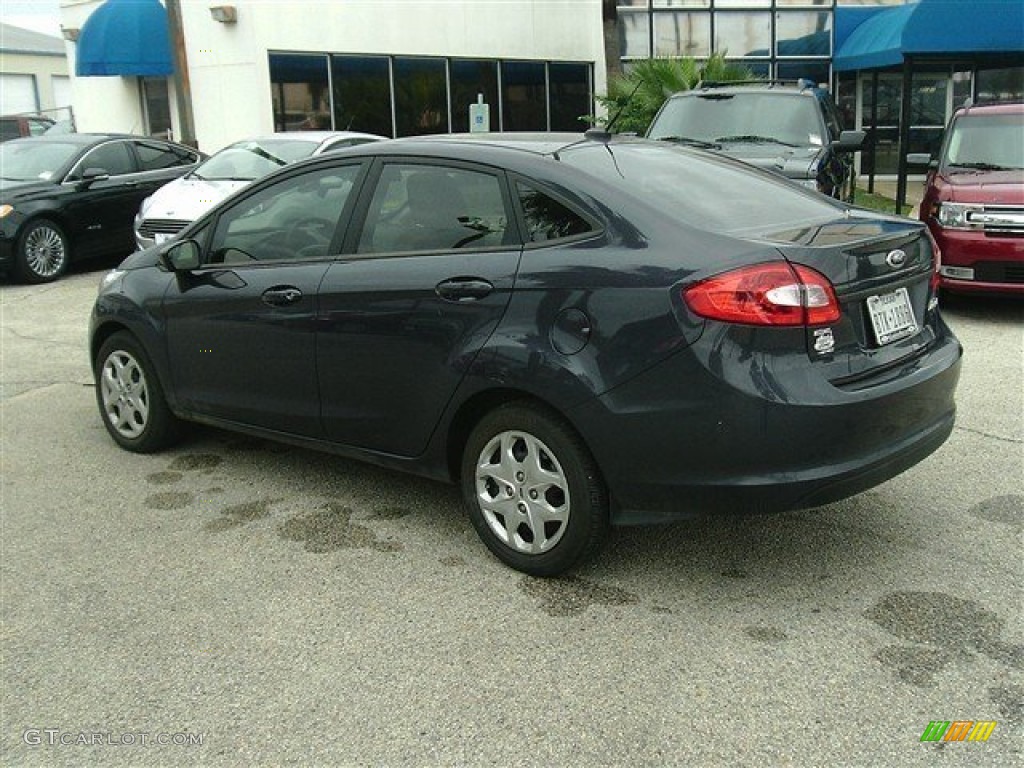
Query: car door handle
column 280, row 297
column 463, row 289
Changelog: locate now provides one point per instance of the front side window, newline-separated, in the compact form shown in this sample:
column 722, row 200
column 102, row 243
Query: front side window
column 115, row 158
column 419, row 207
column 292, row 220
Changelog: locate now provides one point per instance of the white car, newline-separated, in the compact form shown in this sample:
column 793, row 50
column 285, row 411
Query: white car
column 176, row 205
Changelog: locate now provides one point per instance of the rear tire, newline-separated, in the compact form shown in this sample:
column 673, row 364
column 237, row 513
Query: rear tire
column 43, row 252
column 130, row 397
column 533, row 491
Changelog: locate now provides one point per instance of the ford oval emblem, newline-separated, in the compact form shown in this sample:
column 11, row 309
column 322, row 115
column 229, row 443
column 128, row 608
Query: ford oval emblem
column 896, row 259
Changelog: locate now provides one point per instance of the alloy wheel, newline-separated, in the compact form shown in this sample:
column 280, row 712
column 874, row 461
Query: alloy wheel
column 45, row 251
column 125, row 394
column 523, row 492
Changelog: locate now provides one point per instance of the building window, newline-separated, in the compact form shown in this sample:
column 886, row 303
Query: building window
column 1005, row 84
column 523, row 96
column 421, row 96
column 470, row 79
column 299, row 92
column 803, row 34
column 411, row 96
column 815, row 71
column 754, row 31
column 682, row 34
column 743, row 34
column 156, row 106
column 569, row 95
column 634, row 34
column 362, row 94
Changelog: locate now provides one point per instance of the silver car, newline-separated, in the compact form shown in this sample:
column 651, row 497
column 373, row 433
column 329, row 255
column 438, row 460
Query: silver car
column 176, row 205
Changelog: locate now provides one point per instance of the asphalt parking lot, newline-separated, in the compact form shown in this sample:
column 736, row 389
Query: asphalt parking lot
column 236, row 602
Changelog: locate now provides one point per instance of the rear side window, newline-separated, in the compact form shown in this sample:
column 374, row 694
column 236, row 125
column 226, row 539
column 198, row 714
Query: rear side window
column 417, row 207
column 546, row 218
column 154, row 157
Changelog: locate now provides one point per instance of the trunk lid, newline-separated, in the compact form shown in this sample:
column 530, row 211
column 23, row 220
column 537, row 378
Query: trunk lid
column 881, row 269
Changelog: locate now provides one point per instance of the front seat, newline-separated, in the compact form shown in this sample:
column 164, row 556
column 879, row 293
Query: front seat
column 434, row 206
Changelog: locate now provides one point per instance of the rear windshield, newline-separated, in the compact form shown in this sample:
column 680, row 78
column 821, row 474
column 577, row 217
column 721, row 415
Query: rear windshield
column 986, row 142
column 703, row 189
column 785, row 118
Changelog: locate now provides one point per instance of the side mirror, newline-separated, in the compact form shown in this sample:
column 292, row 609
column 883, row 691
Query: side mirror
column 921, row 158
column 181, row 257
column 91, row 175
column 850, row 141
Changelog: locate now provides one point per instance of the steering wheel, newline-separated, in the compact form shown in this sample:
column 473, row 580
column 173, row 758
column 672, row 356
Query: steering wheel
column 309, row 231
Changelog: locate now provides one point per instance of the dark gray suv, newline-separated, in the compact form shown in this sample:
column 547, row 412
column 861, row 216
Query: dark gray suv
column 791, row 128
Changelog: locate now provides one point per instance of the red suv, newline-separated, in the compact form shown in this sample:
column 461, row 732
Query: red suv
column 974, row 200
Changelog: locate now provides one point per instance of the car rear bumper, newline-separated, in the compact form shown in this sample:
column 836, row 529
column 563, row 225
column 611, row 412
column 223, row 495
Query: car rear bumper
column 706, row 448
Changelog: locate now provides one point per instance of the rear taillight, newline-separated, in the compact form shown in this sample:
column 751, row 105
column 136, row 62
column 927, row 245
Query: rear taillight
column 776, row 293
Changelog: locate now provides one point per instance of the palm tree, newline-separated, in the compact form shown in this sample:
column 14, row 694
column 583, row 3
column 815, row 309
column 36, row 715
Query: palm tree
column 633, row 99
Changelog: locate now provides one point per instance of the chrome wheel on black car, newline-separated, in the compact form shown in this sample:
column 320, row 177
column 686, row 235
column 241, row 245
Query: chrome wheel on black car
column 42, row 252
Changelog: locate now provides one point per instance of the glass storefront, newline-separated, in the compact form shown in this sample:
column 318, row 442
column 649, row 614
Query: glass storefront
column 410, row 96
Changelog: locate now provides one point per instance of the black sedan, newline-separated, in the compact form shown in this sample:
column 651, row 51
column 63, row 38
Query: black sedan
column 579, row 332
column 74, row 196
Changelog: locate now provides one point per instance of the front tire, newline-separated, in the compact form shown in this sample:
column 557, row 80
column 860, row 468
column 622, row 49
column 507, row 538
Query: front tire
column 130, row 397
column 534, row 493
column 43, row 252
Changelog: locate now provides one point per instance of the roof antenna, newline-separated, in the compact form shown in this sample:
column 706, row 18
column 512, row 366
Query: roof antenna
column 604, row 133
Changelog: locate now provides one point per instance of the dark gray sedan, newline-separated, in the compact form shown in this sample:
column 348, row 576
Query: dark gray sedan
column 582, row 332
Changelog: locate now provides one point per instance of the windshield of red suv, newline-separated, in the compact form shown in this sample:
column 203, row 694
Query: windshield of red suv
column 782, row 118
column 985, row 142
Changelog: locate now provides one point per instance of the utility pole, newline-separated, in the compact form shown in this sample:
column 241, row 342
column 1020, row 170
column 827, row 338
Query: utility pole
column 182, row 86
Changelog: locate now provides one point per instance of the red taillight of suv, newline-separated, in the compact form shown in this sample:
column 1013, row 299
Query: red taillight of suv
column 775, row 293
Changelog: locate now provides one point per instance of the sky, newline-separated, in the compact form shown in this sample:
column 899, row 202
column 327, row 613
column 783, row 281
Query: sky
column 38, row 15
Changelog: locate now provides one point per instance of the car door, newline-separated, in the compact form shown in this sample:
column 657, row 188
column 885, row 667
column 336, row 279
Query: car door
column 241, row 329
column 100, row 213
column 403, row 319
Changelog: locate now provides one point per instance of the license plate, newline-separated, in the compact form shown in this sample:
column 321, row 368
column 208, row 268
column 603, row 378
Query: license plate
column 892, row 316
column 161, row 237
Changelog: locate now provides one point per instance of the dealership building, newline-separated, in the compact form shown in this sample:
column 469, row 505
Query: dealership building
column 214, row 72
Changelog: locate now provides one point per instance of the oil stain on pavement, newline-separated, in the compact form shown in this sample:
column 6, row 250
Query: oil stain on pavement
column 330, row 527
column 193, row 462
column 240, row 514
column 765, row 634
column 169, row 500
column 1007, row 509
column 571, row 596
column 942, row 629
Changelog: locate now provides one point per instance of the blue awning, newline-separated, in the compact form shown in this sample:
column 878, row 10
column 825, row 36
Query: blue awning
column 932, row 28
column 125, row 37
